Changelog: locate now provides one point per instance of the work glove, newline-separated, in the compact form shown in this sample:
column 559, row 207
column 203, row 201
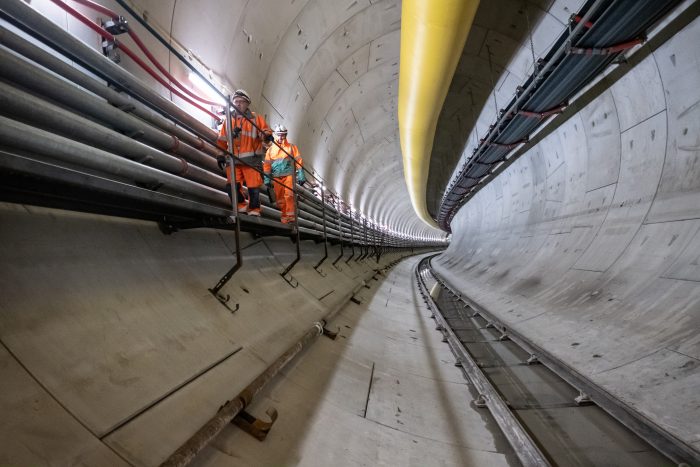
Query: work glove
column 236, row 132
column 221, row 161
column 301, row 178
column 268, row 181
column 268, row 138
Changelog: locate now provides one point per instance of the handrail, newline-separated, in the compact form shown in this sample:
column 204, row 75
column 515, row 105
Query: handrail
column 157, row 112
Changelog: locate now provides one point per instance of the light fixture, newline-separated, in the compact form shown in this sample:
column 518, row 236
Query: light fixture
column 205, row 88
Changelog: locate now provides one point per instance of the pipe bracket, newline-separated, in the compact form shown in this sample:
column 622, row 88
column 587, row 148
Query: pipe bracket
column 332, row 335
column 254, row 426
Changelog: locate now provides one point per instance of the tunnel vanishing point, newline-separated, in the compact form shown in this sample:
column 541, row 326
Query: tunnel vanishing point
column 349, row 233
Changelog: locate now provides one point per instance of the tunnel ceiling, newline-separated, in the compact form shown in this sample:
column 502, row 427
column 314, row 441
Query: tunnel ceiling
column 328, row 70
column 497, row 55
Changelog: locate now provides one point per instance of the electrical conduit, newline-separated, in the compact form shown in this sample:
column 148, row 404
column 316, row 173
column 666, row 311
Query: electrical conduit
column 432, row 39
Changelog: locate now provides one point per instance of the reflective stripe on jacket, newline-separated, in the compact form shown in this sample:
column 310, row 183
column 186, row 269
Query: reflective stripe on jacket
column 277, row 163
column 249, row 141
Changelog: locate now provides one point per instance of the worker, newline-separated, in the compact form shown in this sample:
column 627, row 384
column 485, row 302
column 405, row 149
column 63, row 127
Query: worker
column 249, row 144
column 282, row 160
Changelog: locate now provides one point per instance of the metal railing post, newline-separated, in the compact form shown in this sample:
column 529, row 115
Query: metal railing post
column 352, row 237
column 295, row 191
column 363, row 254
column 234, row 201
column 340, row 230
column 325, row 235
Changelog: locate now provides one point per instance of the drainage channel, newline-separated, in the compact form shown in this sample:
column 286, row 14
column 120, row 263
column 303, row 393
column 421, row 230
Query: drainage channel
column 546, row 419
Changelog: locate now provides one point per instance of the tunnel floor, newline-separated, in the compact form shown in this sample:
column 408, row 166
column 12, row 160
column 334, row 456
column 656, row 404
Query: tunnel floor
column 566, row 426
column 385, row 392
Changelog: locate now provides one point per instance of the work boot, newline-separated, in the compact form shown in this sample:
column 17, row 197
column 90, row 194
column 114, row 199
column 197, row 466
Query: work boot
column 254, row 212
column 242, row 208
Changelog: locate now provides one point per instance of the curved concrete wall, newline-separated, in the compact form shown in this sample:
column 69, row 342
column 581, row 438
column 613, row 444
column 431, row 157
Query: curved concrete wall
column 108, row 331
column 589, row 243
column 328, row 70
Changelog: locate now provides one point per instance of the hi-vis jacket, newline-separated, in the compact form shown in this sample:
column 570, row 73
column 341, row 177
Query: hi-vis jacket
column 250, row 139
column 278, row 164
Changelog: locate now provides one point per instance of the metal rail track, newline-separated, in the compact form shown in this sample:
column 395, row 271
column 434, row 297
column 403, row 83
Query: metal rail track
column 550, row 415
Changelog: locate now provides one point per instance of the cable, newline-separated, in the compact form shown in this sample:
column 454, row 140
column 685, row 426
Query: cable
column 104, row 33
column 137, row 40
column 165, row 43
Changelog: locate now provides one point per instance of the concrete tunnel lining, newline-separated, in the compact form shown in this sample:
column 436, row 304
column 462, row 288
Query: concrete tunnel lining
column 589, row 239
column 573, row 246
column 129, row 320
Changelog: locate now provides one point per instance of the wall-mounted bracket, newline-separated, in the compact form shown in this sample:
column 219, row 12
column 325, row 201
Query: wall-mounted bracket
column 330, row 334
column 253, row 425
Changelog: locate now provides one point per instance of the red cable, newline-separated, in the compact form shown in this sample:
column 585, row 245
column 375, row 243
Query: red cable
column 112, row 14
column 160, row 67
column 107, row 12
column 102, row 32
column 97, row 7
column 578, row 19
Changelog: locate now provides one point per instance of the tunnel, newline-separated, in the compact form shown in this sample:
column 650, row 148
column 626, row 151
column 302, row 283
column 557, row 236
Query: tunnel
column 477, row 245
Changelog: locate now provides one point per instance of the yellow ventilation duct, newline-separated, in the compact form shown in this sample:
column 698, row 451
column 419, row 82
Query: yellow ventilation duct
column 433, row 33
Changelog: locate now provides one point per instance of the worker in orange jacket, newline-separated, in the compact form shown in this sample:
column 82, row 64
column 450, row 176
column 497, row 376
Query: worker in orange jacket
column 249, row 144
column 281, row 167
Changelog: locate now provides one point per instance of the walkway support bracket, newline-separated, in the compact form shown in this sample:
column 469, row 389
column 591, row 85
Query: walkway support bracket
column 216, row 290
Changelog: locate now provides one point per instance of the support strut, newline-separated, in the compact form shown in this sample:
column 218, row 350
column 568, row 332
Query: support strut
column 216, row 290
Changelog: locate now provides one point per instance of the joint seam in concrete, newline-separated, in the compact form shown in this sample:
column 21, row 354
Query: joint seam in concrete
column 60, row 404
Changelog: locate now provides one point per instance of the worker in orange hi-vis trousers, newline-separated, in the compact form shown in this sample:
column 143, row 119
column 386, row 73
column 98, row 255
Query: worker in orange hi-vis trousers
column 281, row 167
column 249, row 144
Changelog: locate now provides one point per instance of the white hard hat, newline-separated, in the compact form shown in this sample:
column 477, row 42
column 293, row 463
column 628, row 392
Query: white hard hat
column 241, row 93
column 280, row 130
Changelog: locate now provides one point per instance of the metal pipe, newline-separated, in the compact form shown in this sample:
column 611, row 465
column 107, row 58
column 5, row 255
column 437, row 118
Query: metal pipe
column 58, row 38
column 55, row 147
column 305, row 218
column 117, row 99
column 32, row 77
column 186, row 453
column 311, row 199
column 19, row 104
column 140, row 203
column 127, row 104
